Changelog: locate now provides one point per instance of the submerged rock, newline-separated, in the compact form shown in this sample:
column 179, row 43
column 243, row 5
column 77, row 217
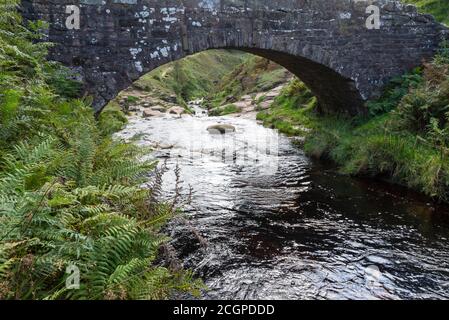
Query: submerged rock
column 221, row 129
column 163, row 146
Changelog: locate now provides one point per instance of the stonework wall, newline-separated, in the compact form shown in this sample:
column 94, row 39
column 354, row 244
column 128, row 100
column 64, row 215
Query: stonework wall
column 324, row 42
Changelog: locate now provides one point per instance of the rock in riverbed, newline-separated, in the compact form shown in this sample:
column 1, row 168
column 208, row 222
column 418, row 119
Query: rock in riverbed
column 221, row 129
column 176, row 110
column 151, row 113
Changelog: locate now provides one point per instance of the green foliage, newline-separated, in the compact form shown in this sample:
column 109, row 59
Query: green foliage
column 438, row 8
column 228, row 109
column 192, row 77
column 443, row 54
column 62, row 81
column 291, row 110
column 255, row 74
column 426, row 110
column 394, row 92
column 69, row 194
column 132, row 99
column 10, row 103
column 111, row 119
column 270, row 79
column 417, row 111
column 398, row 156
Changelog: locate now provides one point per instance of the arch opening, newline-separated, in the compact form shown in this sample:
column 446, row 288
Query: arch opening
column 217, row 77
column 334, row 92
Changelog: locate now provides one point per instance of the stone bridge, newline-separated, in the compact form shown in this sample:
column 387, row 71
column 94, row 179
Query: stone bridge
column 334, row 46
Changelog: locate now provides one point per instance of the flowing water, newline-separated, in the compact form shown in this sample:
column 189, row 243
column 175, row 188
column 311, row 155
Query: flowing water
column 275, row 225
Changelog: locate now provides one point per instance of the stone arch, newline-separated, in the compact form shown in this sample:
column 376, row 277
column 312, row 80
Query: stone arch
column 326, row 43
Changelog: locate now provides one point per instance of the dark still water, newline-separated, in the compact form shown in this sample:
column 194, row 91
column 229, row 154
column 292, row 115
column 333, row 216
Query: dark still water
column 277, row 226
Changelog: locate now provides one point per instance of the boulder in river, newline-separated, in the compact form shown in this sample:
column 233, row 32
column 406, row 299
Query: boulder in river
column 166, row 146
column 148, row 113
column 176, row 110
column 221, row 129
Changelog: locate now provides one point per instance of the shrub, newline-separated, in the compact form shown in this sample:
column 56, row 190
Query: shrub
column 394, row 92
column 222, row 111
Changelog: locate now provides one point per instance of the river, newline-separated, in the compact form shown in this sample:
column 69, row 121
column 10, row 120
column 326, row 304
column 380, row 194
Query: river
column 276, row 225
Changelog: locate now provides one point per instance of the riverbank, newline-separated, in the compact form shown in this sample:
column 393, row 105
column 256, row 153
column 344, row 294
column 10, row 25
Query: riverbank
column 438, row 8
column 404, row 140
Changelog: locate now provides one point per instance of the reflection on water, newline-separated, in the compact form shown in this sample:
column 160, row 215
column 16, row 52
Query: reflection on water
column 300, row 231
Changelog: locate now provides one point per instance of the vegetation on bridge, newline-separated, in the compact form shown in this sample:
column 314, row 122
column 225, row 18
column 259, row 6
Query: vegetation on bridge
column 438, row 8
column 69, row 194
